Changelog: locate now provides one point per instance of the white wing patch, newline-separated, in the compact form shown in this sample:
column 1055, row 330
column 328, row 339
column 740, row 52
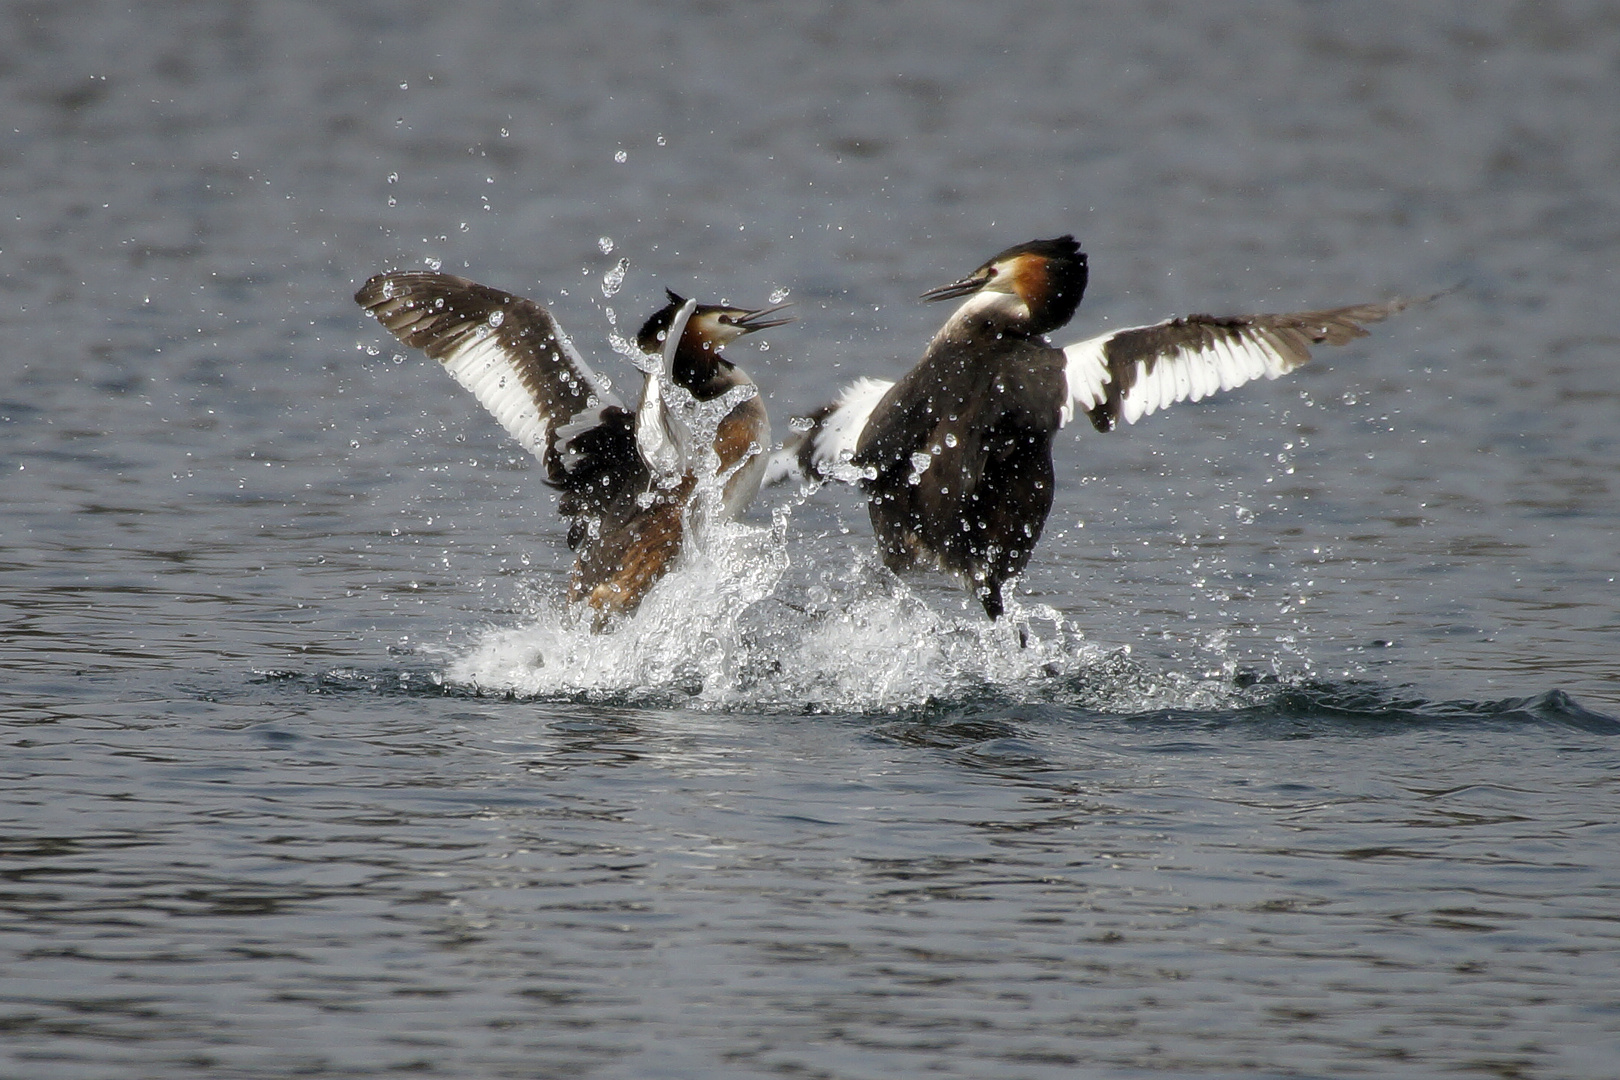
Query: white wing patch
column 492, row 376
column 1227, row 358
column 578, row 424
column 841, row 430
column 780, row 464
column 822, row 445
column 1086, row 372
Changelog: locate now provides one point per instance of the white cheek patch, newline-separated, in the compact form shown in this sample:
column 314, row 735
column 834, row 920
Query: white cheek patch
column 981, row 304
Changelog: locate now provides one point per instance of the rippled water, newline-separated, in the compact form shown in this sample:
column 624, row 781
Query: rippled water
column 1310, row 769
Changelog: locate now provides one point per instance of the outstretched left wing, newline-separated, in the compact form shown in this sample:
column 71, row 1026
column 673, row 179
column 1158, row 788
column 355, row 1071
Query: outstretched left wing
column 518, row 363
column 1129, row 374
column 506, row 350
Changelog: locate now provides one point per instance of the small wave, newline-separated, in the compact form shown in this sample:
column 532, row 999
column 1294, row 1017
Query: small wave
column 964, row 704
column 1370, row 708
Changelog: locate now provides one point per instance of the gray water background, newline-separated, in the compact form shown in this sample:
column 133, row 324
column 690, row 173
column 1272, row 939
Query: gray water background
column 1315, row 774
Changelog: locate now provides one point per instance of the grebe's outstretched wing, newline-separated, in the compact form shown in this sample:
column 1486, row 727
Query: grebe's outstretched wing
column 823, row 442
column 508, row 351
column 515, row 359
column 1128, row 374
column 1121, row 375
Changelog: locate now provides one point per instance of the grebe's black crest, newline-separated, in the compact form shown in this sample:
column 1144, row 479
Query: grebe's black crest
column 956, row 456
column 1031, row 288
column 1059, row 248
column 624, row 473
column 650, row 338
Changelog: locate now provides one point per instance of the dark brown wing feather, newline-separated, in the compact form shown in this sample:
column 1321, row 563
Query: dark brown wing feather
column 1150, row 367
column 510, row 353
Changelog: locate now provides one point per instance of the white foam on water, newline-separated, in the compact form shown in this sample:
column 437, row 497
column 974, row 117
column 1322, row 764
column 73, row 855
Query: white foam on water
column 737, row 625
column 683, row 640
column 728, row 629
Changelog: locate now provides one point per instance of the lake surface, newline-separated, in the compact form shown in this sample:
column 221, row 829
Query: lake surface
column 1311, row 768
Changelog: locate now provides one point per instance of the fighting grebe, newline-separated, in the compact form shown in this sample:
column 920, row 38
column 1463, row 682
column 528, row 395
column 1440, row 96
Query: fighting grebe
column 625, row 476
column 956, row 457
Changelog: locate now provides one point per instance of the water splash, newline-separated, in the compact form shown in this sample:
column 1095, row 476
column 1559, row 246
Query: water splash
column 685, row 641
column 739, row 626
column 613, row 280
column 745, row 622
column 757, row 618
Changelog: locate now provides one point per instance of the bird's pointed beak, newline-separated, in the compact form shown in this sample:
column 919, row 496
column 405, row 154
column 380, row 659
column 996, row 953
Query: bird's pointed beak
column 966, row 287
column 761, row 319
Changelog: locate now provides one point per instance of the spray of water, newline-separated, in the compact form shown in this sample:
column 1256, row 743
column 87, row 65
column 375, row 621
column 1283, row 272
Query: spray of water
column 757, row 617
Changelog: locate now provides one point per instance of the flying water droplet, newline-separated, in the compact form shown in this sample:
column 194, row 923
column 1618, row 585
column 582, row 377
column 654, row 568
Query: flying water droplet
column 606, row 244
column 614, row 278
column 919, row 465
column 621, row 157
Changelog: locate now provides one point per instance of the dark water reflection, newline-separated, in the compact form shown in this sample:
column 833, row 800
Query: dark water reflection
column 340, row 881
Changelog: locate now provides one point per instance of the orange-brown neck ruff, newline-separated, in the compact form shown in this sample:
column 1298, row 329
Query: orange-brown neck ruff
column 1050, row 288
column 1028, row 278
